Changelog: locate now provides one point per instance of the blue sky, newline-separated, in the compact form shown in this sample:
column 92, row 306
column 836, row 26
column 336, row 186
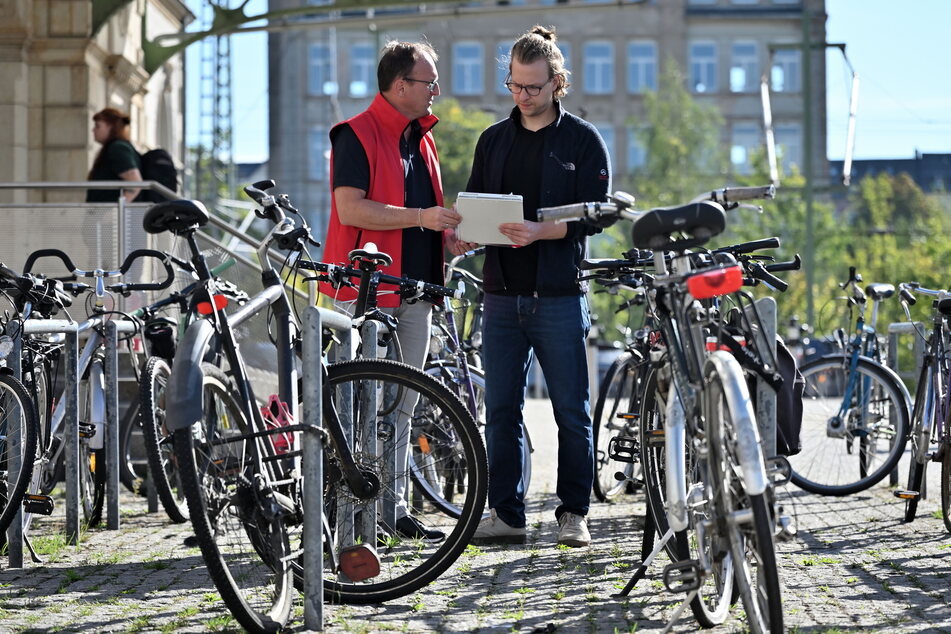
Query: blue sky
column 900, row 50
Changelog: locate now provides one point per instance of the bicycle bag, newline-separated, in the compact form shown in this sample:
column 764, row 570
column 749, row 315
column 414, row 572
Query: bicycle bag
column 788, row 403
column 157, row 165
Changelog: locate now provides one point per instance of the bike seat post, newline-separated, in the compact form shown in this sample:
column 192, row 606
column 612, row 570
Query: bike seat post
column 369, row 282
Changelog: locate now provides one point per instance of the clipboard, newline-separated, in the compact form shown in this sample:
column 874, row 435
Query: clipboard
column 483, row 213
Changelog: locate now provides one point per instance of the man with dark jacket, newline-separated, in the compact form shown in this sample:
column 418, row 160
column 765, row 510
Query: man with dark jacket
column 534, row 302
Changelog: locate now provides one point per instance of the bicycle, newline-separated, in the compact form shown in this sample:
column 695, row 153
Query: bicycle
column 719, row 498
column 242, row 487
column 932, row 408
column 38, row 299
column 855, row 408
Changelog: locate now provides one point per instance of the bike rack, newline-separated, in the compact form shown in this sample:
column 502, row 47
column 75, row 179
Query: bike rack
column 72, row 330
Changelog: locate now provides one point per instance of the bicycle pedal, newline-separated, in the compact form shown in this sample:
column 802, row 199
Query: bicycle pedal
column 785, row 528
column 683, row 576
column 628, row 415
column 623, row 449
column 38, row 504
column 359, row 562
column 87, row 430
column 907, row 495
column 655, row 438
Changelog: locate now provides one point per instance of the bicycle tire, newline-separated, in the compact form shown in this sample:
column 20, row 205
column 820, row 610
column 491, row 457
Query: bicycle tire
column 18, row 419
column 752, row 548
column 159, row 450
column 651, row 440
column 92, row 466
column 406, row 564
column 132, row 459
column 946, row 483
column 919, row 437
column 618, row 394
column 245, row 548
column 36, row 379
column 831, row 465
column 428, row 480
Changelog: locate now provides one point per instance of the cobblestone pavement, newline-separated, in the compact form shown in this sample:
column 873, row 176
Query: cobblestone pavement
column 853, row 566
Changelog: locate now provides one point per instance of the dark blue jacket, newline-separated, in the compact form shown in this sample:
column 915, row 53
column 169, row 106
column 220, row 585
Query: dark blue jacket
column 576, row 169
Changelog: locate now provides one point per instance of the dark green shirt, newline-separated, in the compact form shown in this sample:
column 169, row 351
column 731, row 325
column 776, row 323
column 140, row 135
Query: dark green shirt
column 117, row 156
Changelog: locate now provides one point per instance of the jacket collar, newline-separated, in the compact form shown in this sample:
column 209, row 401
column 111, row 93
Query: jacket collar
column 393, row 122
column 516, row 115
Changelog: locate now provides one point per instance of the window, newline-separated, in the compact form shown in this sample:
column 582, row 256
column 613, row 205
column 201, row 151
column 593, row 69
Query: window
column 320, row 75
column 786, row 74
column 606, row 130
column 745, row 139
column 745, row 1
column 789, row 144
column 641, row 67
column 598, row 68
column 703, row 67
column 636, row 151
column 318, row 165
column 467, row 68
column 361, row 69
column 565, row 48
column 744, row 67
column 502, row 50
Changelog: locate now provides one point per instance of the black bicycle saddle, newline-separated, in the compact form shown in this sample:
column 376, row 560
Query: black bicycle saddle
column 176, row 216
column 656, row 228
column 878, row 291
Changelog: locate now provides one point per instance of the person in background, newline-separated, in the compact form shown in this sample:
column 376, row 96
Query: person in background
column 387, row 189
column 534, row 303
column 117, row 158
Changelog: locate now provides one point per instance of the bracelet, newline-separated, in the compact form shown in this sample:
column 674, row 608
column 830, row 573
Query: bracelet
column 419, row 217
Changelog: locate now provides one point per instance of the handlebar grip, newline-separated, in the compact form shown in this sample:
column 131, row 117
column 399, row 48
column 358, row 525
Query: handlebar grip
column 759, row 272
column 907, row 296
column 749, row 247
column 794, row 265
column 148, row 286
column 603, row 264
column 736, row 194
column 257, row 192
column 577, row 210
column 48, row 253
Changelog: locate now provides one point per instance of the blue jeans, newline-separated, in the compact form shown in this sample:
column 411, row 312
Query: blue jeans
column 554, row 329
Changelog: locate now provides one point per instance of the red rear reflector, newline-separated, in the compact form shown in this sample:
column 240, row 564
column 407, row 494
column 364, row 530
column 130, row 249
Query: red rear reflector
column 205, row 308
column 359, row 562
column 715, row 283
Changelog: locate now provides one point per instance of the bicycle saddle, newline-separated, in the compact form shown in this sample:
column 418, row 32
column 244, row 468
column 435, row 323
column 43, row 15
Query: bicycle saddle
column 944, row 306
column 369, row 253
column 176, row 216
column 879, row 292
column 700, row 220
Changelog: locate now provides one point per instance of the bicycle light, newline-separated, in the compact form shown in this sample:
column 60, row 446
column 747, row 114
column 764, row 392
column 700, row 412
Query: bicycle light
column 205, row 308
column 715, row 283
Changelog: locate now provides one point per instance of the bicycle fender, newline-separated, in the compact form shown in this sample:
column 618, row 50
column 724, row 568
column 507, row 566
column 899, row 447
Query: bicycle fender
column 675, row 447
column 183, row 407
column 738, row 399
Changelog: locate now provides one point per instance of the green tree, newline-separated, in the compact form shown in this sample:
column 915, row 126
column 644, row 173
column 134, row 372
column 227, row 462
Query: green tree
column 456, row 135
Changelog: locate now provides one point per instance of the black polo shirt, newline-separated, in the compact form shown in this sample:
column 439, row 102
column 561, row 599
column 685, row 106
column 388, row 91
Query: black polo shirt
column 422, row 249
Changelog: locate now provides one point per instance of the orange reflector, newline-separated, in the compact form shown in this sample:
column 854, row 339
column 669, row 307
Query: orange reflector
column 715, row 283
column 205, row 308
column 359, row 562
column 424, row 444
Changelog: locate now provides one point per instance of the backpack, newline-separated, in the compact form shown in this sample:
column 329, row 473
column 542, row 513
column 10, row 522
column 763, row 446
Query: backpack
column 157, row 165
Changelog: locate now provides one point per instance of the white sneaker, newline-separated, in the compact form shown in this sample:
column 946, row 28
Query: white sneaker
column 573, row 530
column 492, row 530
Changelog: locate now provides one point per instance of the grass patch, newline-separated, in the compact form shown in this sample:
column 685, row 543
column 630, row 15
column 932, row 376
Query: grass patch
column 816, row 560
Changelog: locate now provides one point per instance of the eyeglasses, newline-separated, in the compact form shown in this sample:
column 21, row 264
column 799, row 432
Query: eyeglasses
column 533, row 91
column 430, row 85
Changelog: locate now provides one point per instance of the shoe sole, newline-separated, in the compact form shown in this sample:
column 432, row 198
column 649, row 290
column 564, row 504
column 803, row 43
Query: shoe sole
column 499, row 539
column 573, row 543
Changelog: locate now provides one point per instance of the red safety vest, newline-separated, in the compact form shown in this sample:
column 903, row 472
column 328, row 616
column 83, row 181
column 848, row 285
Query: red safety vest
column 379, row 128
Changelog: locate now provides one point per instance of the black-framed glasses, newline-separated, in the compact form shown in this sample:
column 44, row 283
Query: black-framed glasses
column 533, row 91
column 430, row 85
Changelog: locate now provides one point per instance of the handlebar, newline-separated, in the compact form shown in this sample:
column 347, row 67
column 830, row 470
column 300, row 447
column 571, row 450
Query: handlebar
column 101, row 274
column 729, row 195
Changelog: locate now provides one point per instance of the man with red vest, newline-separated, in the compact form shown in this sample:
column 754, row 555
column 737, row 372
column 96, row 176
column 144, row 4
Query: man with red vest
column 387, row 190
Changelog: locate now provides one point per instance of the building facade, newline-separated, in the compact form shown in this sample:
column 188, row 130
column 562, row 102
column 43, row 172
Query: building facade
column 61, row 61
column 616, row 52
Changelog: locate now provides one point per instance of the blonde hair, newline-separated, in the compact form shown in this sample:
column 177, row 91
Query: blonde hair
column 539, row 43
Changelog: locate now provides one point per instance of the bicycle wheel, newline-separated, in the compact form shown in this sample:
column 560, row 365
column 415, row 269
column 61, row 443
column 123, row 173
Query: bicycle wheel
column 745, row 516
column 839, row 437
column 19, row 427
column 651, row 440
column 242, row 535
column 614, row 415
column 132, row 458
column 360, row 389
column 946, row 482
column 922, row 417
column 92, row 455
column 163, row 465
column 438, row 485
column 39, row 385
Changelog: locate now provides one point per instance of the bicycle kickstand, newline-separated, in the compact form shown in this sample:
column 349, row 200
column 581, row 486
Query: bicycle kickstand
column 649, row 528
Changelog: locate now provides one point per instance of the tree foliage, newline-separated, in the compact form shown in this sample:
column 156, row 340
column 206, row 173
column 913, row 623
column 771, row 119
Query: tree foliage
column 456, row 135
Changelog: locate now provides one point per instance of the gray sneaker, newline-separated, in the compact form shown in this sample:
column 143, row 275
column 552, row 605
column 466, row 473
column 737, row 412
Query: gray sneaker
column 573, row 530
column 492, row 530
